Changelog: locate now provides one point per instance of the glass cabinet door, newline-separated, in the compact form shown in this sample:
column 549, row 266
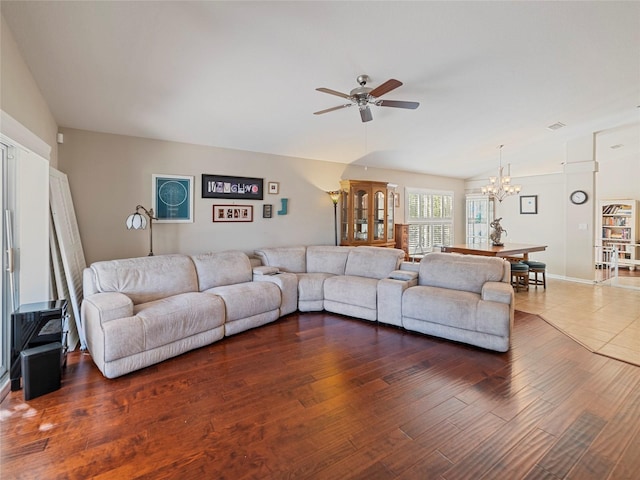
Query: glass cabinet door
column 378, row 215
column 361, row 215
column 344, row 219
column 390, row 217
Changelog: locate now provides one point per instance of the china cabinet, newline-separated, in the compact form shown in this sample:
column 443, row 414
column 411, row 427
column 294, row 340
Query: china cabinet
column 480, row 214
column 366, row 213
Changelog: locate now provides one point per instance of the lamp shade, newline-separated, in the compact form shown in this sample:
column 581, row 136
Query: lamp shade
column 335, row 196
column 136, row 221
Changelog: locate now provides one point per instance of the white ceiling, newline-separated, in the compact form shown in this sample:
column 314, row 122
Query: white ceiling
column 243, row 75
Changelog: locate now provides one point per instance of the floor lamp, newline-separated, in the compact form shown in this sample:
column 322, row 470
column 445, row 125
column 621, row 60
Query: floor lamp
column 335, row 196
column 137, row 221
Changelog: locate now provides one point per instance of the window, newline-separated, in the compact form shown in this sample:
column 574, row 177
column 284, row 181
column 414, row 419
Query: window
column 429, row 214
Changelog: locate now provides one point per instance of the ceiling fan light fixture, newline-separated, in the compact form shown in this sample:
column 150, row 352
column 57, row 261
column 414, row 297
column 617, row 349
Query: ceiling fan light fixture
column 364, row 96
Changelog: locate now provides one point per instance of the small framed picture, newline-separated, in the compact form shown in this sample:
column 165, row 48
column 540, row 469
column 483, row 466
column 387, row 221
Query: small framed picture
column 274, row 188
column 529, row 204
column 267, row 210
column 233, row 213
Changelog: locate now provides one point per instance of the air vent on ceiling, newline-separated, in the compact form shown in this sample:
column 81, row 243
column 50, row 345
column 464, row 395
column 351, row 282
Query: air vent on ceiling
column 556, row 126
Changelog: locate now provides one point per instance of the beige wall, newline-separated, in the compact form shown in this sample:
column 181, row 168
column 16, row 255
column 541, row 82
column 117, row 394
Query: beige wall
column 20, row 96
column 110, row 174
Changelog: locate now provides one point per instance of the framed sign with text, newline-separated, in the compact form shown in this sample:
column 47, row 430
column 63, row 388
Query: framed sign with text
column 232, row 188
column 233, row 213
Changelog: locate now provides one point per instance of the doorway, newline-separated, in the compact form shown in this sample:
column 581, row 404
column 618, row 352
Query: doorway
column 617, row 152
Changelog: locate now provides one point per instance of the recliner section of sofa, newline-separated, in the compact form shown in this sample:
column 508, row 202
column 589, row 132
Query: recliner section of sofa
column 229, row 275
column 140, row 311
column 356, row 292
column 465, row 298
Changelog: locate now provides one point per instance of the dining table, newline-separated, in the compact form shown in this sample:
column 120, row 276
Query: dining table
column 515, row 251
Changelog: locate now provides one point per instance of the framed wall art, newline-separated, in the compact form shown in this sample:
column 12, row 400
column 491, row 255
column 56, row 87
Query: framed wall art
column 529, row 204
column 267, row 210
column 232, row 188
column 233, row 213
column 274, row 188
column 172, row 200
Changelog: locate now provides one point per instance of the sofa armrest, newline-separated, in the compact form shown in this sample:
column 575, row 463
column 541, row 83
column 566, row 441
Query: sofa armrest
column 410, row 266
column 288, row 284
column 406, row 275
column 107, row 306
column 500, row 292
column 264, row 270
column 390, row 299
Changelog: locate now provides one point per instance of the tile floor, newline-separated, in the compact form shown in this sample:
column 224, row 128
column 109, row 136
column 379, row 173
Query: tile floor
column 604, row 319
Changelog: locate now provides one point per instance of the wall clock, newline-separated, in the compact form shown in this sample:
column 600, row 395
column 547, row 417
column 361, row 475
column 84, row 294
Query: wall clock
column 578, row 197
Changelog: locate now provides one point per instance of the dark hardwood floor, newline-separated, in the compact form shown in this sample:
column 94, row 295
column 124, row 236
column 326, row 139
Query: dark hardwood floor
column 327, row 397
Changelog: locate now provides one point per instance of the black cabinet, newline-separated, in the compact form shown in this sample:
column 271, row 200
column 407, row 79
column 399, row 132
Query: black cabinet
column 34, row 325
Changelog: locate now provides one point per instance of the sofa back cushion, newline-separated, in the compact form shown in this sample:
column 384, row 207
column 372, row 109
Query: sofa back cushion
column 460, row 272
column 373, row 262
column 327, row 259
column 145, row 279
column 222, row 268
column 287, row 259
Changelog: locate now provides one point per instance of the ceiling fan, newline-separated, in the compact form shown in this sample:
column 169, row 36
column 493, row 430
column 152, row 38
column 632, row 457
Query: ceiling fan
column 364, row 96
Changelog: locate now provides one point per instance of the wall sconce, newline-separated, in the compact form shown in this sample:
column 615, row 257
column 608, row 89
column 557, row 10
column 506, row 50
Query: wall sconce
column 137, row 221
column 335, row 196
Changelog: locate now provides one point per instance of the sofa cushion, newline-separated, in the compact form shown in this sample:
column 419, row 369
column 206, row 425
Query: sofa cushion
column 160, row 323
column 287, row 259
column 222, row 268
column 352, row 290
column 146, row 279
column 179, row 316
column 460, row 272
column 327, row 259
column 441, row 305
column 373, row 262
column 311, row 286
column 244, row 300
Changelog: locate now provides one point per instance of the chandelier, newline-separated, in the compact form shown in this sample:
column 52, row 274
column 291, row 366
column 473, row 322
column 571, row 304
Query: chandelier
column 500, row 187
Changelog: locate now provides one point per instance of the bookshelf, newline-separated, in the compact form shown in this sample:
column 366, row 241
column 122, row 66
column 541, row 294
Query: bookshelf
column 619, row 230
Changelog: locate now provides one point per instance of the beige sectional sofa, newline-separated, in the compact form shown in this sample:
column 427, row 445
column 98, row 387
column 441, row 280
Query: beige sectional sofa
column 140, row 311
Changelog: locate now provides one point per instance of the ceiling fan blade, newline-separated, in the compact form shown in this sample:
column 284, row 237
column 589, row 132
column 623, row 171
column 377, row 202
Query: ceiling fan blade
column 333, row 108
column 365, row 114
column 398, row 104
column 386, row 87
column 333, row 92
